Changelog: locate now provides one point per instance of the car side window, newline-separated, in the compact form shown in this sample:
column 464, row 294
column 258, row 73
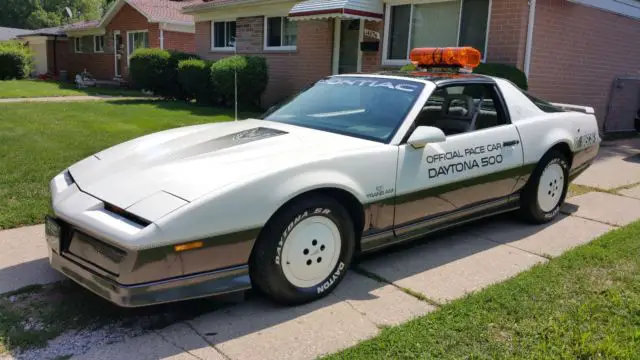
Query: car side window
column 457, row 109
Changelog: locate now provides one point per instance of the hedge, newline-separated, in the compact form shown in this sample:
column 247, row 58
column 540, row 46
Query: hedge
column 252, row 77
column 157, row 70
column 505, row 71
column 195, row 80
column 16, row 60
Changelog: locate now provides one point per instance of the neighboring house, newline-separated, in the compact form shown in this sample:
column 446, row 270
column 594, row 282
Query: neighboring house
column 571, row 50
column 10, row 33
column 128, row 24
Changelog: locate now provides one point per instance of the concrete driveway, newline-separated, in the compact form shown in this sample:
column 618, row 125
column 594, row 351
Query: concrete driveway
column 385, row 289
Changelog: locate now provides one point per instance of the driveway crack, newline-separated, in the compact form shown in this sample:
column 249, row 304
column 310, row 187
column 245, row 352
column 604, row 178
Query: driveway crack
column 594, row 220
column 543, row 256
column 176, row 345
column 207, row 341
column 407, row 291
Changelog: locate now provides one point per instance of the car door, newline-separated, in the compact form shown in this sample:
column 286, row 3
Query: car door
column 477, row 163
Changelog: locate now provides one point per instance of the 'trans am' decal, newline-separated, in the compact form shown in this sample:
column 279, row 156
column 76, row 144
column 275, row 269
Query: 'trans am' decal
column 372, row 83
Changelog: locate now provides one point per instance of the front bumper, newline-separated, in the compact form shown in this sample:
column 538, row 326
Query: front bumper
column 192, row 286
column 104, row 283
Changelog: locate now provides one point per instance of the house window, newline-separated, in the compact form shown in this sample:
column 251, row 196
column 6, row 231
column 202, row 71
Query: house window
column 435, row 24
column 98, row 43
column 137, row 40
column 77, row 44
column 280, row 33
column 223, row 35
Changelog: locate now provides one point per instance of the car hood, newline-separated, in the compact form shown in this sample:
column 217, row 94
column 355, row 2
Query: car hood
column 157, row 173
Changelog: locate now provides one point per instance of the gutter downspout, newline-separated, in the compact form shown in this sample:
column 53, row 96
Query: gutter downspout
column 161, row 37
column 55, row 55
column 529, row 44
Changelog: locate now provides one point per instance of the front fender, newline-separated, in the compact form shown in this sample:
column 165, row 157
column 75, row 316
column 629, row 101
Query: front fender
column 309, row 181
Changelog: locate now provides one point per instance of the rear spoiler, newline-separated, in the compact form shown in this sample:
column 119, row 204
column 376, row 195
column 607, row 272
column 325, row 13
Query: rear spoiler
column 571, row 107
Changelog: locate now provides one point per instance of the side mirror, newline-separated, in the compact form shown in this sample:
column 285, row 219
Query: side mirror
column 424, row 135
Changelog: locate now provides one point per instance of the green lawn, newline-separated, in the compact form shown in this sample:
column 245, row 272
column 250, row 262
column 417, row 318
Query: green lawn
column 38, row 141
column 582, row 305
column 37, row 88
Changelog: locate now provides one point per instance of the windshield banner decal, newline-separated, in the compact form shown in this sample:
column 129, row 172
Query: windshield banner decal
column 393, row 84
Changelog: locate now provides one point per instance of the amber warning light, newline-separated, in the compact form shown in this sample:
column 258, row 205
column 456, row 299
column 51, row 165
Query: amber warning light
column 464, row 57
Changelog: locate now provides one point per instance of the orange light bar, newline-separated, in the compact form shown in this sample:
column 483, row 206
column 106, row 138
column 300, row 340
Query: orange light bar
column 466, row 57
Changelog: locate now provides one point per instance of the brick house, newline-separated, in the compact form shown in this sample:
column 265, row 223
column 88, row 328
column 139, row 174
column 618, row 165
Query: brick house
column 131, row 24
column 571, row 50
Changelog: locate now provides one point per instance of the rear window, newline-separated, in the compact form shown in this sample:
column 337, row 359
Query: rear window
column 541, row 104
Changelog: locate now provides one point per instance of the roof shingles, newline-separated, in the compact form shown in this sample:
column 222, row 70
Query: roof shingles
column 165, row 10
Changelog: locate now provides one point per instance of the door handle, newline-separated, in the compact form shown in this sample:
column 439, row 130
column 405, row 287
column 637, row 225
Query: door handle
column 511, row 143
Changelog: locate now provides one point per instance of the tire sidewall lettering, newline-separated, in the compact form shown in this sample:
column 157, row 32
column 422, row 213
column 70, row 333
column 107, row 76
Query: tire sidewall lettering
column 296, row 220
column 336, row 273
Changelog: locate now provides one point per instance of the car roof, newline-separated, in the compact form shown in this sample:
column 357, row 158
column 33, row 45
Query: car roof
column 438, row 77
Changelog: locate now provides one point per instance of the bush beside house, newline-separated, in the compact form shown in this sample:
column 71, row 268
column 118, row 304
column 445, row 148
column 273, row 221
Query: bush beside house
column 194, row 76
column 16, row 60
column 185, row 76
column 156, row 70
column 252, row 77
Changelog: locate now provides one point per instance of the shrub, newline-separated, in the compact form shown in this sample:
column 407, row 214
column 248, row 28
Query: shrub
column 147, row 68
column 16, row 60
column 408, row 67
column 172, row 88
column 252, row 74
column 505, row 71
column 194, row 78
column 157, row 70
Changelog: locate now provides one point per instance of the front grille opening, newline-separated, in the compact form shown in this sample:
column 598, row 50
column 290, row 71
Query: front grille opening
column 127, row 215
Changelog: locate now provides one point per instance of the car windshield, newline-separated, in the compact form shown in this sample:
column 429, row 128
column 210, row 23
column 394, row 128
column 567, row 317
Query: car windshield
column 364, row 107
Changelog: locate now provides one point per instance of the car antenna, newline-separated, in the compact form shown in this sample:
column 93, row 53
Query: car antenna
column 235, row 83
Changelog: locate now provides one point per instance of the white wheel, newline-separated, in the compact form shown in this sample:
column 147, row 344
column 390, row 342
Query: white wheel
column 550, row 187
column 311, row 251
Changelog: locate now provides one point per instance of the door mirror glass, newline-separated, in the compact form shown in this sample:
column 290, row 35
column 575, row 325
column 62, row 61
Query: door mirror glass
column 424, row 135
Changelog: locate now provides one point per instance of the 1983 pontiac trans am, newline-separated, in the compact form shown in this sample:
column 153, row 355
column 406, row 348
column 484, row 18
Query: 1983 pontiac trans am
column 282, row 203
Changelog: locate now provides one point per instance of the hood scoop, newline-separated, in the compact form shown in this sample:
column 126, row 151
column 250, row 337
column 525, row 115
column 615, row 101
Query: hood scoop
column 224, row 142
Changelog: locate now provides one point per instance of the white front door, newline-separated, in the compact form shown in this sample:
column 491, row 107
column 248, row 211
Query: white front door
column 347, row 57
column 472, row 166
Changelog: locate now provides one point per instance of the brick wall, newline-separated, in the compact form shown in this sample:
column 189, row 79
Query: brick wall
column 508, row 32
column 61, row 54
column 102, row 65
column 179, row 41
column 289, row 71
column 372, row 60
column 578, row 51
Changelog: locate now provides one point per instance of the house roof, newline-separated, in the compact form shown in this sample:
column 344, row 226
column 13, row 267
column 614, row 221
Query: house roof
column 211, row 4
column 164, row 10
column 318, row 9
column 87, row 24
column 51, row 31
column 10, row 33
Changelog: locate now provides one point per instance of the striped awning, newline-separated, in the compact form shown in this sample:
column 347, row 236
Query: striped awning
column 349, row 9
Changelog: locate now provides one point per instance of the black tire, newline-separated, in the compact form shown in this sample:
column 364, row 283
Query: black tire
column 265, row 267
column 530, row 209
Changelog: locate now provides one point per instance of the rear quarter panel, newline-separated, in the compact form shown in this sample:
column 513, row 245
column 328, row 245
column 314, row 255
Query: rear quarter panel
column 540, row 133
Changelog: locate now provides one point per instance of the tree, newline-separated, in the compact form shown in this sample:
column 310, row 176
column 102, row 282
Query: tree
column 40, row 18
column 34, row 14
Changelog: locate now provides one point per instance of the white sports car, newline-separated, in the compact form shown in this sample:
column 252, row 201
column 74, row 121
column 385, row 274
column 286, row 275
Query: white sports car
column 352, row 164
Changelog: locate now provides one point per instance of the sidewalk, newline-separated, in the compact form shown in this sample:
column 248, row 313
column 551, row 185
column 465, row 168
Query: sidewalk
column 385, row 289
